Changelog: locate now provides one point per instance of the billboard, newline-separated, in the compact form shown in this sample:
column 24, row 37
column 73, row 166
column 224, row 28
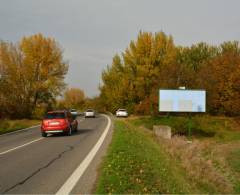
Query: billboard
column 182, row 100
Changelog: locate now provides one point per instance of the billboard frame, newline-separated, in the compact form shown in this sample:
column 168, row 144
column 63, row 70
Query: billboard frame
column 205, row 105
column 189, row 113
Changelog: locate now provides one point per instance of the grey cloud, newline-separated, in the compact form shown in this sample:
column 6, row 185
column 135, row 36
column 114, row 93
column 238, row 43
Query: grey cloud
column 92, row 31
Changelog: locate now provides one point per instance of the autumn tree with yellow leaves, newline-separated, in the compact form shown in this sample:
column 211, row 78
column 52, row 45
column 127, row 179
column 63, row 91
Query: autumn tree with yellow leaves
column 31, row 75
column 221, row 78
column 153, row 61
column 132, row 81
column 72, row 98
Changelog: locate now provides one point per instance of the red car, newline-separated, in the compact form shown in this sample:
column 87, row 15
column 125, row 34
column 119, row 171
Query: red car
column 58, row 122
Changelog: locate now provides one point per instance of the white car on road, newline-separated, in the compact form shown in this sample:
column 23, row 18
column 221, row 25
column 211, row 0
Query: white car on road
column 121, row 113
column 90, row 113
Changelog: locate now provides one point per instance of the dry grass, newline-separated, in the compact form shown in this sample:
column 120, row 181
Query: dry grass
column 199, row 159
column 13, row 125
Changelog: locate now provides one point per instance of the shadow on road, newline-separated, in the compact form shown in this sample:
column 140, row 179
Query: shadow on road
column 79, row 132
column 82, row 131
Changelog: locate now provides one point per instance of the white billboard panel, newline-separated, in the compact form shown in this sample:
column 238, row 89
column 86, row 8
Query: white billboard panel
column 182, row 100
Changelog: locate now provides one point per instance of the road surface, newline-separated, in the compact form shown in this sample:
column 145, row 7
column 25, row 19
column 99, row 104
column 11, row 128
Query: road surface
column 31, row 164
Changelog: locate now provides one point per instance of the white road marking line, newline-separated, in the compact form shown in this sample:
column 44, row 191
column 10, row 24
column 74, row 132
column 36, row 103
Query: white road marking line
column 19, row 130
column 20, row 146
column 76, row 175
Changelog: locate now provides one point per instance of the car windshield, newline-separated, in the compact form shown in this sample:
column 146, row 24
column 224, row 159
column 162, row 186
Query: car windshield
column 55, row 115
column 73, row 110
column 122, row 110
column 89, row 110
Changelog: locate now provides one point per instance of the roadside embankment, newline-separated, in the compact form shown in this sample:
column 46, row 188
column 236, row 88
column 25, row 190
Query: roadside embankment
column 7, row 126
column 139, row 162
column 136, row 163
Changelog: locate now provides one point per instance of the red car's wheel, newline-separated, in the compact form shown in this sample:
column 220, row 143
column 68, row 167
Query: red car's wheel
column 44, row 134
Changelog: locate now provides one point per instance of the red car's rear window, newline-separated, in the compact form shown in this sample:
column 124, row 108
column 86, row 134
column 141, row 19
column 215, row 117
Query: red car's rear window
column 55, row 115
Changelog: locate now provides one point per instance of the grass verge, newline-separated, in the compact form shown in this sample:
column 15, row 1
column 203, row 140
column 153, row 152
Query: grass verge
column 139, row 162
column 212, row 160
column 7, row 126
column 136, row 163
column 233, row 159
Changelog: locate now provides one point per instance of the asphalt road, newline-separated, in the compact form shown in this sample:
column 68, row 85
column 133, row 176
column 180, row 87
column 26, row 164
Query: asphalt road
column 30, row 164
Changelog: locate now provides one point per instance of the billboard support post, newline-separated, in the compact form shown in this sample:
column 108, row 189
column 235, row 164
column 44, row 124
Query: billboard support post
column 168, row 114
column 189, row 125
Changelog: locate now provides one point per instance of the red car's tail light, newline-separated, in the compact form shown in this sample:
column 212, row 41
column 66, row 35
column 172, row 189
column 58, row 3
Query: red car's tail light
column 45, row 123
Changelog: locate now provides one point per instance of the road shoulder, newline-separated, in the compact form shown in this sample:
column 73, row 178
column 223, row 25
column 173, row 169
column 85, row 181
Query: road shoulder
column 87, row 183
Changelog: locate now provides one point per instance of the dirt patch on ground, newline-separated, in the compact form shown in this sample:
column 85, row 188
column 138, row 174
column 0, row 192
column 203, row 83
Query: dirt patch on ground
column 236, row 124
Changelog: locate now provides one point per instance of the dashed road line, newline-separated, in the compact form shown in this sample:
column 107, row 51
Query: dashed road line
column 10, row 150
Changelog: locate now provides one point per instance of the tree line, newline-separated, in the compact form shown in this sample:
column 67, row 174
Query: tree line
column 153, row 61
column 32, row 75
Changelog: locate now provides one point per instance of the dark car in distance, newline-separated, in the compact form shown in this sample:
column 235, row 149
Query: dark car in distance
column 58, row 122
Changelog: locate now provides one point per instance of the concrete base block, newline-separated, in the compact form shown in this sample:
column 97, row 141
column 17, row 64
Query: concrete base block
column 162, row 131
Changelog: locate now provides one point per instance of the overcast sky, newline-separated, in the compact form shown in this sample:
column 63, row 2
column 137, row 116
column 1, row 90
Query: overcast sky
column 92, row 31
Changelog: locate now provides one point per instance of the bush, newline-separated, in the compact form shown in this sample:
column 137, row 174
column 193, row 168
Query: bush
column 39, row 112
column 4, row 124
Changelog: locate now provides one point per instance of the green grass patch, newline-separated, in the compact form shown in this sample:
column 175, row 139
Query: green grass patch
column 234, row 162
column 136, row 163
column 7, row 126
